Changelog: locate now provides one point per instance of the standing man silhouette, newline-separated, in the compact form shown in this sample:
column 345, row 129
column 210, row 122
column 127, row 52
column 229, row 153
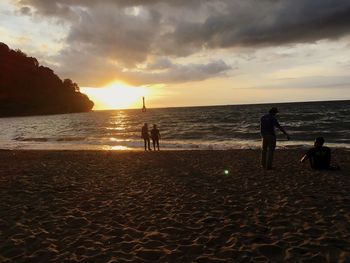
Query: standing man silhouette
column 145, row 137
column 268, row 123
column 155, row 137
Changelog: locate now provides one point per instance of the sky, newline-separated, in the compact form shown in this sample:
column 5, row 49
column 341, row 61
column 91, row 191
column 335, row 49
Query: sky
column 188, row 52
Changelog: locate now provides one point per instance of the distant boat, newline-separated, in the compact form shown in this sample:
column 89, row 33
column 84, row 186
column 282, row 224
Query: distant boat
column 144, row 105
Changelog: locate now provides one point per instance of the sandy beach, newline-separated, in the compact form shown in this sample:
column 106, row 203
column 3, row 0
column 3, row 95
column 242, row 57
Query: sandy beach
column 171, row 206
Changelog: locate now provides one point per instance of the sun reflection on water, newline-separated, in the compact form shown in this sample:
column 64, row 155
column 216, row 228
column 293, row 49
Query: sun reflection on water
column 119, row 148
column 115, row 148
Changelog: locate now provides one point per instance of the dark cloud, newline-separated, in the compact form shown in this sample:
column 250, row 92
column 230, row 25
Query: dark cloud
column 49, row 8
column 159, row 64
column 176, row 73
column 25, row 10
column 111, row 33
column 267, row 23
column 225, row 23
column 126, row 33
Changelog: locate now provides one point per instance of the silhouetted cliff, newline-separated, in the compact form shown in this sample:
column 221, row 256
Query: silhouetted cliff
column 26, row 88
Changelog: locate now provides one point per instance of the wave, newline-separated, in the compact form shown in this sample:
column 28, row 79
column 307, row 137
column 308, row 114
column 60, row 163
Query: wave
column 31, row 139
column 223, row 127
column 69, row 139
column 61, row 139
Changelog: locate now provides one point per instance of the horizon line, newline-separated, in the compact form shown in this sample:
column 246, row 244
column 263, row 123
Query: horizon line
column 222, row 105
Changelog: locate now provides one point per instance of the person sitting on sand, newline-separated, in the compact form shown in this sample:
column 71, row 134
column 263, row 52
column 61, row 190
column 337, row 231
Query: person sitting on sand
column 145, row 137
column 319, row 156
column 155, row 135
column 268, row 123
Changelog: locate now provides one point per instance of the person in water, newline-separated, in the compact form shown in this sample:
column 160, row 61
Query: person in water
column 268, row 123
column 155, row 135
column 319, row 156
column 145, row 137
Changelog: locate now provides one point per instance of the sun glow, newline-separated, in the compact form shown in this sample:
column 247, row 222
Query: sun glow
column 116, row 95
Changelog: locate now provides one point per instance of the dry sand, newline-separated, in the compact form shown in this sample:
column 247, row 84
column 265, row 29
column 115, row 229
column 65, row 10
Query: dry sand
column 87, row 206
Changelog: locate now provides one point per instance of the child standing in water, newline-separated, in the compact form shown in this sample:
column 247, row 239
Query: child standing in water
column 155, row 135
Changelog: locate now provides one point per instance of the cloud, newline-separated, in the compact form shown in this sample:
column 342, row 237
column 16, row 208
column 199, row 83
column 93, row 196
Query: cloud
column 114, row 34
column 222, row 23
column 266, row 23
column 101, row 72
column 25, row 10
column 160, row 63
column 121, row 35
column 177, row 73
column 85, row 68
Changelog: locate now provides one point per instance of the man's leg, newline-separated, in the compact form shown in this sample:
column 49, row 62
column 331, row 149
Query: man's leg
column 149, row 144
column 144, row 141
column 263, row 152
column 271, row 145
column 311, row 160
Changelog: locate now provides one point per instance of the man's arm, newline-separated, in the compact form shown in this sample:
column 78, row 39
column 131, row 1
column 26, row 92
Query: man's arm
column 283, row 130
column 305, row 157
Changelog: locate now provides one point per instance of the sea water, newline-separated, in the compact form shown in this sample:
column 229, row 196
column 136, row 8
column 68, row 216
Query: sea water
column 211, row 127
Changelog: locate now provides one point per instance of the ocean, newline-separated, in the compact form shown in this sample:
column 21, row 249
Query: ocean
column 211, row 127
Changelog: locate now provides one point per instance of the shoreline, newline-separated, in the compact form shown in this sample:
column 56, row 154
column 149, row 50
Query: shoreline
column 171, row 206
column 301, row 148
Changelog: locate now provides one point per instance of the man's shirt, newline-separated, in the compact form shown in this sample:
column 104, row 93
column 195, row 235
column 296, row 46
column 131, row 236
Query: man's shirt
column 320, row 157
column 268, row 123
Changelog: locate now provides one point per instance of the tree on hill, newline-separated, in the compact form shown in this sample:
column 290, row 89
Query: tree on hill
column 26, row 88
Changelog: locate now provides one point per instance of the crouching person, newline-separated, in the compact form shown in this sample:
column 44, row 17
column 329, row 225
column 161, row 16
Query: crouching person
column 319, row 156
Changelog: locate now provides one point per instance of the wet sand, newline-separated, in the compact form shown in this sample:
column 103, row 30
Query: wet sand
column 174, row 206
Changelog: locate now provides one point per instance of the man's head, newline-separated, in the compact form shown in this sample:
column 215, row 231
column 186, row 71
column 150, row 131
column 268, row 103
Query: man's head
column 155, row 126
column 319, row 141
column 273, row 111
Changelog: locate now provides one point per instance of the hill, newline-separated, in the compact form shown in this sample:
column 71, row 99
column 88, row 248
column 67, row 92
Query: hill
column 26, row 88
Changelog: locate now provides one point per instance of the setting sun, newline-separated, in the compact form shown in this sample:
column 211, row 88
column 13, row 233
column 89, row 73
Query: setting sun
column 116, row 95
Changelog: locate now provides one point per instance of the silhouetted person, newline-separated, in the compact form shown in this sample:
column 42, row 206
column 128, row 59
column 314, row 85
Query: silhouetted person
column 319, row 156
column 268, row 123
column 155, row 135
column 145, row 137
